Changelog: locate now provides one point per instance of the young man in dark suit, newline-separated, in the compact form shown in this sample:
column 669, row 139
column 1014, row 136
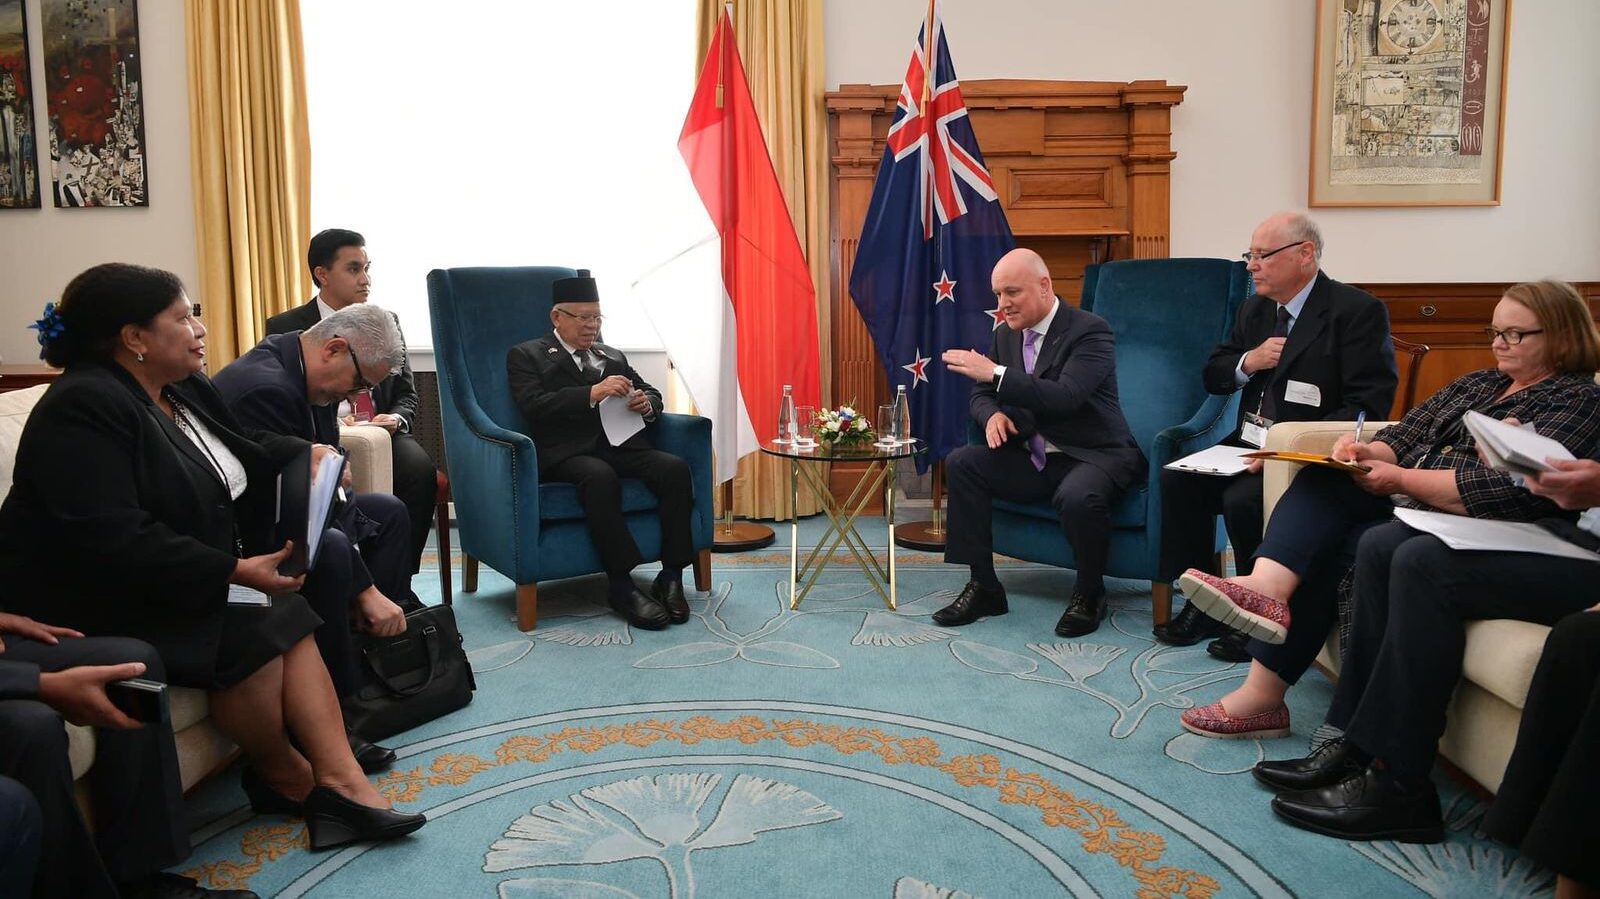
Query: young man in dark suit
column 1046, row 397
column 1303, row 348
column 558, row 383
column 343, row 275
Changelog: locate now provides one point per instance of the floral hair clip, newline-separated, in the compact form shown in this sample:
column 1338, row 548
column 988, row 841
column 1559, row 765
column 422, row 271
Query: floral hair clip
column 50, row 327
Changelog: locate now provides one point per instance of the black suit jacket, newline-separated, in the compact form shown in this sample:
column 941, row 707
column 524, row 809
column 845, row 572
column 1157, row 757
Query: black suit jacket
column 266, row 389
column 118, row 525
column 553, row 395
column 1340, row 343
column 1071, row 397
column 395, row 395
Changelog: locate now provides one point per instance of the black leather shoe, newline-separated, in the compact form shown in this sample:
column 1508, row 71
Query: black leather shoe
column 162, row 885
column 264, row 800
column 1230, row 647
column 333, row 820
column 1190, row 627
column 1332, row 761
column 671, row 596
column 1083, row 615
column 370, row 756
column 1364, row 807
column 976, row 601
column 641, row 611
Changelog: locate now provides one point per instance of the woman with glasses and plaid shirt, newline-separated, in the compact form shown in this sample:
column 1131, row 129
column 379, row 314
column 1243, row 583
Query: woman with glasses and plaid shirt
column 1546, row 350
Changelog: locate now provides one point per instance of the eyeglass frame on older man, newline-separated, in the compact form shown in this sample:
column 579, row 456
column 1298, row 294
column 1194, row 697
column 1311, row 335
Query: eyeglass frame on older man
column 588, row 318
column 1250, row 256
column 361, row 379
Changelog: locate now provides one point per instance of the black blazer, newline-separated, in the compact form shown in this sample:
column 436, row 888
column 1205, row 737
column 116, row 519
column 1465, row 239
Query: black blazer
column 118, row 525
column 553, row 395
column 395, row 395
column 1340, row 343
column 266, row 389
column 1071, row 397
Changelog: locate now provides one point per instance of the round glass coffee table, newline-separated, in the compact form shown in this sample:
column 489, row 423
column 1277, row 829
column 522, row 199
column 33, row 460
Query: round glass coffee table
column 809, row 464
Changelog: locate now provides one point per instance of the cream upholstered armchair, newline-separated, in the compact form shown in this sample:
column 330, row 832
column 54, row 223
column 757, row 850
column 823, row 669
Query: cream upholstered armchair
column 1500, row 655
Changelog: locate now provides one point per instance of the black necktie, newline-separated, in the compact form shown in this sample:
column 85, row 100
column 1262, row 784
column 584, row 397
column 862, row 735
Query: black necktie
column 590, row 364
column 1281, row 329
column 1269, row 405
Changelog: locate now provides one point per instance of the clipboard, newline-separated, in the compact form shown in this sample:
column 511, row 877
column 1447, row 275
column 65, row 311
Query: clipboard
column 1310, row 459
column 305, row 508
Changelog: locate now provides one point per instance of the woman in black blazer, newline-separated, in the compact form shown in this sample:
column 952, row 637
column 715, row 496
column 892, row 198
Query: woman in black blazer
column 139, row 507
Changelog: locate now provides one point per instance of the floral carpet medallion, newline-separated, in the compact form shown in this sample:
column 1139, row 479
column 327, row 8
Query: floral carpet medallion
column 840, row 749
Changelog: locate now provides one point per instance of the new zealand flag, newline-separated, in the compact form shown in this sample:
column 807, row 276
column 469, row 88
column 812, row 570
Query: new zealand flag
column 932, row 235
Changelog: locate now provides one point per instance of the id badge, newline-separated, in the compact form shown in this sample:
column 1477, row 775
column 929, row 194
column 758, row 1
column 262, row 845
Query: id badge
column 1254, row 430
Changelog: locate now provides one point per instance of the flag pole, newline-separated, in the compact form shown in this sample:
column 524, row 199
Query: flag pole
column 731, row 536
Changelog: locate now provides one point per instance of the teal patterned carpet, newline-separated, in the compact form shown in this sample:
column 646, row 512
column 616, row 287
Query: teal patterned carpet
column 842, row 750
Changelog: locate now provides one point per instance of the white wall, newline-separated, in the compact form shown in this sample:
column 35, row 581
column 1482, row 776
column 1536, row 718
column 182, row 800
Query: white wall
column 1242, row 133
column 42, row 249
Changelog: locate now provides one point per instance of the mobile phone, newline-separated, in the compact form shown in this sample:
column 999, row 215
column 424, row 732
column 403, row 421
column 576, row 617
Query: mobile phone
column 140, row 699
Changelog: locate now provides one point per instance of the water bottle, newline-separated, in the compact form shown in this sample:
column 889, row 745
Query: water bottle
column 788, row 428
column 902, row 416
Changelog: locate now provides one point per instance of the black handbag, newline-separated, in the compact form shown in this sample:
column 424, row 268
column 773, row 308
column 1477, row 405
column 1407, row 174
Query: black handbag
column 411, row 679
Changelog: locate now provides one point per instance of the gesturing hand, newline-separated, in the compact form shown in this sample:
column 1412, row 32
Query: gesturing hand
column 79, row 694
column 970, row 363
column 23, row 626
column 261, row 573
column 999, row 429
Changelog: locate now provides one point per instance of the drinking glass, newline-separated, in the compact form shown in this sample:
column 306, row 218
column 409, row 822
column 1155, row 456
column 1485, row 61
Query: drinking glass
column 805, row 419
column 888, row 426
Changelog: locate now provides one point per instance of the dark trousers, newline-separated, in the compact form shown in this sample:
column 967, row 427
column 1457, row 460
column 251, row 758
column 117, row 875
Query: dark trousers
column 1551, row 790
column 1081, row 493
column 598, row 477
column 1190, row 504
column 1413, row 599
column 367, row 546
column 416, row 484
column 1313, row 532
column 134, row 784
column 21, row 827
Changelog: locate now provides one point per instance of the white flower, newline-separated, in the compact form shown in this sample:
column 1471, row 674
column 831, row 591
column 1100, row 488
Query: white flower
column 846, row 410
column 861, row 424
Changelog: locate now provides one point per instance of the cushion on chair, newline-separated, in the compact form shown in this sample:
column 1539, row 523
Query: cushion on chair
column 559, row 502
column 371, row 457
column 1501, row 655
column 14, row 408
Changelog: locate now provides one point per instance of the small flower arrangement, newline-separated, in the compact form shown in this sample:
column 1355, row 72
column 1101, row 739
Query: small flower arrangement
column 843, row 427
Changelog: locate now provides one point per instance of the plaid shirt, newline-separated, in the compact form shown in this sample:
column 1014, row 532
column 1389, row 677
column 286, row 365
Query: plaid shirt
column 1565, row 408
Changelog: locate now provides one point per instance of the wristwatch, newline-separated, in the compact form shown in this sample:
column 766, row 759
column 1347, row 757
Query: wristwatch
column 999, row 371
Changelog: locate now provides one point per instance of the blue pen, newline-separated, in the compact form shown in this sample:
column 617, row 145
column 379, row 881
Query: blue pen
column 1361, row 421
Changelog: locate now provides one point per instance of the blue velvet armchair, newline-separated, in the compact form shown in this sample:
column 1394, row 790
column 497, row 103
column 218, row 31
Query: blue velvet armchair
column 526, row 530
column 1167, row 315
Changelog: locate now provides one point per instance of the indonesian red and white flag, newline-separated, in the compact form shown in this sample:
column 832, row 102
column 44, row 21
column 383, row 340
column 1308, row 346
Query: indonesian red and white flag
column 736, row 350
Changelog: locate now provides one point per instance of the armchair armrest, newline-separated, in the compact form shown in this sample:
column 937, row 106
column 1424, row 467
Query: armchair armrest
column 371, row 460
column 689, row 437
column 1212, row 422
column 1300, row 437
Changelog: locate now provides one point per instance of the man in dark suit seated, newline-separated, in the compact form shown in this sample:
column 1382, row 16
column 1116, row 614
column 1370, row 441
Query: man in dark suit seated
column 342, row 272
column 1304, row 348
column 558, row 383
column 290, row 384
column 1046, row 396
column 51, row 674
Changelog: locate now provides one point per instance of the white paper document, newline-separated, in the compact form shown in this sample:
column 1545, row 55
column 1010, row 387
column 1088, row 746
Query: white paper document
column 324, row 483
column 240, row 595
column 1222, row 460
column 619, row 421
column 1520, row 450
column 1464, row 532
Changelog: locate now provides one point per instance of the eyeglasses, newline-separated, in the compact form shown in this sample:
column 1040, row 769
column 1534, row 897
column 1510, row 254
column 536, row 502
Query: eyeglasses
column 588, row 318
column 361, row 380
column 1512, row 336
column 1253, row 256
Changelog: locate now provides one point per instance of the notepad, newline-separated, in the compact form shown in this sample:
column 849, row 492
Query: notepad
column 1465, row 533
column 1310, row 459
column 1220, row 460
column 1520, row 450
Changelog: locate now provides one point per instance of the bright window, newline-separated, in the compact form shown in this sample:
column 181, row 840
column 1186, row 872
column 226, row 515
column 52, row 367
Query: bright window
column 504, row 132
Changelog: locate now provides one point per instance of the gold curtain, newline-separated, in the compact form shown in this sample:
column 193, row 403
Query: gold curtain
column 780, row 42
column 251, row 151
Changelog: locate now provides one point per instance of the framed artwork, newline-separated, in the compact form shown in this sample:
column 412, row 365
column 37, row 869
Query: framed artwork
column 93, row 92
column 1409, row 104
column 19, row 167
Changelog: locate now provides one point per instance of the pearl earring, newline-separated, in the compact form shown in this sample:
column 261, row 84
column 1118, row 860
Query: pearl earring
column 139, row 356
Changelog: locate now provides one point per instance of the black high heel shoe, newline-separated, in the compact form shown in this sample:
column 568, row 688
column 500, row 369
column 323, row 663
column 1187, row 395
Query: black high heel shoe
column 264, row 800
column 332, row 820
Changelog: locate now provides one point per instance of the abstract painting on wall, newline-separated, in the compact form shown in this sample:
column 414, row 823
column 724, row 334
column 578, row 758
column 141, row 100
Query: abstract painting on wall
column 93, row 92
column 1410, row 96
column 19, row 169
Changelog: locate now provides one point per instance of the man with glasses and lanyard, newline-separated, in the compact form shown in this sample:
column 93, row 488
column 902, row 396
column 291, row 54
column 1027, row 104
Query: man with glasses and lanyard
column 558, row 383
column 1304, row 347
column 292, row 384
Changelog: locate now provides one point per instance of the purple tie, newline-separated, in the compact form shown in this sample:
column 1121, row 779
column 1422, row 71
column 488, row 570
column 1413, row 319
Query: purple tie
column 1029, row 356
